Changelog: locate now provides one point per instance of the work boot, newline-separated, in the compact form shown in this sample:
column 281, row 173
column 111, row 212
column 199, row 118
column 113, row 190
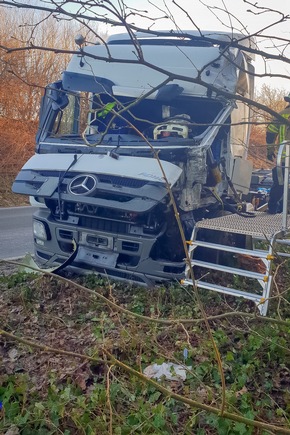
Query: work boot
column 272, row 209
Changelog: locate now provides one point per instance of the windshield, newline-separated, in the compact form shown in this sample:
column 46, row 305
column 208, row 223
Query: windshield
column 98, row 114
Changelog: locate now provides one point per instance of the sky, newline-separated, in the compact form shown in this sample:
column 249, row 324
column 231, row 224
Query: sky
column 262, row 17
column 238, row 15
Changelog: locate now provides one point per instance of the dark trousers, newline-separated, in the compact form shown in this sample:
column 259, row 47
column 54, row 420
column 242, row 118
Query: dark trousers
column 275, row 203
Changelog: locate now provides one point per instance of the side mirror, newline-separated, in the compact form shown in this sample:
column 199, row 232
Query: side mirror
column 54, row 100
column 59, row 98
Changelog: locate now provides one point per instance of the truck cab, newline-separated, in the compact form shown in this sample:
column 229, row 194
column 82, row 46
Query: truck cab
column 121, row 136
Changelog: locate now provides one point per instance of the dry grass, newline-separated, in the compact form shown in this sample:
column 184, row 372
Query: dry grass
column 16, row 146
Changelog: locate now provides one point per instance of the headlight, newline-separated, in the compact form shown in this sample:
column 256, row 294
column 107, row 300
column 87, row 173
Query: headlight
column 39, row 230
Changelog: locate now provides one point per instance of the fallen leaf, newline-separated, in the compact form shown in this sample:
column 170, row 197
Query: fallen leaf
column 12, row 431
column 13, row 354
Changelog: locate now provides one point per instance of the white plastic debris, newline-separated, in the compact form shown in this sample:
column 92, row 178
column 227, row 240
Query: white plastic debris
column 170, row 371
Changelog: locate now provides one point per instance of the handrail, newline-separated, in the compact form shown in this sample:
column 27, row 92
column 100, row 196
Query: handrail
column 284, row 150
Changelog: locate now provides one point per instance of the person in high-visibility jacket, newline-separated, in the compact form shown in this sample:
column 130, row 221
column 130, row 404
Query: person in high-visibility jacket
column 278, row 132
column 102, row 113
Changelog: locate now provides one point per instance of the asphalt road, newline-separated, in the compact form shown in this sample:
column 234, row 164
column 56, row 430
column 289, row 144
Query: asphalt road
column 16, row 232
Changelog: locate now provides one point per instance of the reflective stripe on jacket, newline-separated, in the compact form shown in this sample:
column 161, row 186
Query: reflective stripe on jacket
column 106, row 110
column 279, row 130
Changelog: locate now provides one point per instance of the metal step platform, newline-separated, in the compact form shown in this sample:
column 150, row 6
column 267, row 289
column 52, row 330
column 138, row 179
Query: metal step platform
column 271, row 229
column 263, row 227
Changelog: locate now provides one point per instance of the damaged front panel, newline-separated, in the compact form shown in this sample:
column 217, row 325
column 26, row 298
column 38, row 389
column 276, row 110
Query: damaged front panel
column 115, row 219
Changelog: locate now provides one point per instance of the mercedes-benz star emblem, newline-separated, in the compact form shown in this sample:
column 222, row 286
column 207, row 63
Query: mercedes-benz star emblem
column 82, row 185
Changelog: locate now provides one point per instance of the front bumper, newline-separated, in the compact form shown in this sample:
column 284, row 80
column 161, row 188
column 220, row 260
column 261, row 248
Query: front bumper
column 123, row 257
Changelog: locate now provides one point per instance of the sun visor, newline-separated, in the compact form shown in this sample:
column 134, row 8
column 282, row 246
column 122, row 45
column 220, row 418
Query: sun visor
column 86, row 83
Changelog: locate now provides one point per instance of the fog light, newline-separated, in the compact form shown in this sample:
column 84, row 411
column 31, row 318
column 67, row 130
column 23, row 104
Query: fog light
column 39, row 230
column 39, row 242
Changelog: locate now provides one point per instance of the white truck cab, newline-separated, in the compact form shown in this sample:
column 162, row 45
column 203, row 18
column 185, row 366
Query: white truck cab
column 101, row 128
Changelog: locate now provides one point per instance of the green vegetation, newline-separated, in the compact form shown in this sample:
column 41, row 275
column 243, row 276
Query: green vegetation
column 53, row 393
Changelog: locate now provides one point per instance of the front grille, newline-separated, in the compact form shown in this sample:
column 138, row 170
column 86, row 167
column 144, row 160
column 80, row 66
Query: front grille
column 130, row 246
column 109, row 226
column 122, row 181
column 67, row 235
column 102, row 178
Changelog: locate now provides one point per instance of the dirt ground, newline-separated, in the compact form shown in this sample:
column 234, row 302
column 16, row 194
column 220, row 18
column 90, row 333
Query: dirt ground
column 7, row 269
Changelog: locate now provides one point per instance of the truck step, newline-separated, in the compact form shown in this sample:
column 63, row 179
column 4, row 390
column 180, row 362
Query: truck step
column 227, row 269
column 225, row 248
column 226, row 290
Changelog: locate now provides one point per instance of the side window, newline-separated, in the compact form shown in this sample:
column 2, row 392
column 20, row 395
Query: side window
column 73, row 118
